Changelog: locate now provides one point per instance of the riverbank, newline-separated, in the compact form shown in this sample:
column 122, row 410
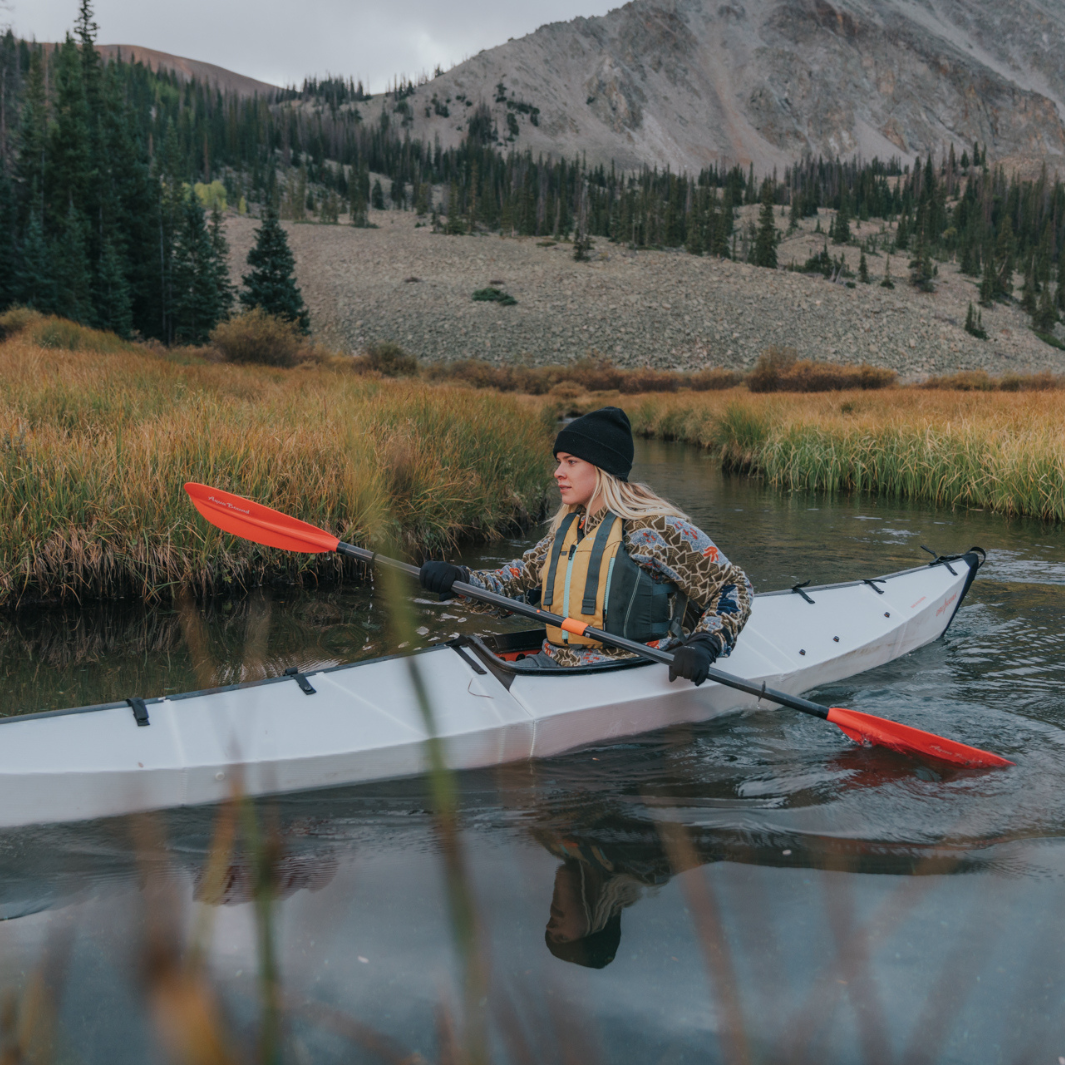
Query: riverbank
column 997, row 451
column 97, row 438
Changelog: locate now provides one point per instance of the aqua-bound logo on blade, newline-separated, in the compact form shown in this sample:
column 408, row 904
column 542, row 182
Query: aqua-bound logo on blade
column 226, row 503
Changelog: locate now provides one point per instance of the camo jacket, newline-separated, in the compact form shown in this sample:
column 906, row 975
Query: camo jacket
column 670, row 549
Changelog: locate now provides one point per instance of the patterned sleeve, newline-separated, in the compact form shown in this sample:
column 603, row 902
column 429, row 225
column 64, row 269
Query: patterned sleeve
column 675, row 550
column 512, row 580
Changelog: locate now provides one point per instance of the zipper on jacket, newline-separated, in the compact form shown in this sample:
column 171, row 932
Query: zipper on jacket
column 565, row 591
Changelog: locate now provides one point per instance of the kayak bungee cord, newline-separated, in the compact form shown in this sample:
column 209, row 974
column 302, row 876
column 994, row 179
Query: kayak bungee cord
column 262, row 525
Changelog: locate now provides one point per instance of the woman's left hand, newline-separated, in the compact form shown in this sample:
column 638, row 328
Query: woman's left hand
column 693, row 659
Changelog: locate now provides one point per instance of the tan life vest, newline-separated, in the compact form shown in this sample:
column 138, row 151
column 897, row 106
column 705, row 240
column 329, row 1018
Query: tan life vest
column 594, row 580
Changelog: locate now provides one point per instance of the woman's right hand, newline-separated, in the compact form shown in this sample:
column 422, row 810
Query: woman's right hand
column 440, row 576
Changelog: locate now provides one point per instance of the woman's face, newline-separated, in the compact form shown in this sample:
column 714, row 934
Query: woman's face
column 576, row 480
column 568, row 919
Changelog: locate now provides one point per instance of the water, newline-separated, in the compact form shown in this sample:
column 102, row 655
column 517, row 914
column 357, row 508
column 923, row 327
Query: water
column 838, row 904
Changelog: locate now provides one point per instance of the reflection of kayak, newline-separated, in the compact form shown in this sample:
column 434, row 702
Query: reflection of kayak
column 362, row 722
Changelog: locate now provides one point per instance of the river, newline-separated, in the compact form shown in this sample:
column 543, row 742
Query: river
column 839, row 904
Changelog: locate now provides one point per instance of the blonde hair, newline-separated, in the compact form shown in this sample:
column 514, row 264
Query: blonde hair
column 629, row 501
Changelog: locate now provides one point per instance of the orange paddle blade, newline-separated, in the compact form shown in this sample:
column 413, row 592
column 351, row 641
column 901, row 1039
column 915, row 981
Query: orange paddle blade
column 252, row 521
column 867, row 729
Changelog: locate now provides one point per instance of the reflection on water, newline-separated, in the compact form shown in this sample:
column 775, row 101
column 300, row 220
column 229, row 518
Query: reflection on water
column 756, row 889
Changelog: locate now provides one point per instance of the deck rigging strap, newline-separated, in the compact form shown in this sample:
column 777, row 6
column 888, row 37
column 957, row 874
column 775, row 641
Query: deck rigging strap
column 140, row 711
column 305, row 685
column 798, row 588
column 873, row 582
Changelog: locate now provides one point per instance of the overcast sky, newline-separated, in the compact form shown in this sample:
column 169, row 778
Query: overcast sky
column 281, row 41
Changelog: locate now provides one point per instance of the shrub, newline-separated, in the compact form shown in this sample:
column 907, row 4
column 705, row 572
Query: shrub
column 771, row 364
column 388, row 359
column 258, row 337
column 963, row 381
column 17, row 320
column 713, row 380
column 494, row 295
column 778, row 370
column 61, row 334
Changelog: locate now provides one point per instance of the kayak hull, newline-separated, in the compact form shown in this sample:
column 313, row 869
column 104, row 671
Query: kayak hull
column 365, row 722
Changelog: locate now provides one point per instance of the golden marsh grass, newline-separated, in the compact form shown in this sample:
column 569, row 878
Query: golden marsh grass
column 993, row 450
column 95, row 446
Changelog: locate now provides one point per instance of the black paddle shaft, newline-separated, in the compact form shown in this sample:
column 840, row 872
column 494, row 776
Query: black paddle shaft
column 534, row 613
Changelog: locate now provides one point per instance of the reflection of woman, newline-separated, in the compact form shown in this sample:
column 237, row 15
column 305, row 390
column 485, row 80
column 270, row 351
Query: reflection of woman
column 591, row 890
column 621, row 559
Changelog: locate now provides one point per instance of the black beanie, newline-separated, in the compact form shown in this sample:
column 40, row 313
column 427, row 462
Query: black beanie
column 596, row 951
column 603, row 438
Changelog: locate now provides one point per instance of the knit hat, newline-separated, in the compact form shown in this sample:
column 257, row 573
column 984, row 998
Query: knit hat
column 596, row 951
column 603, row 438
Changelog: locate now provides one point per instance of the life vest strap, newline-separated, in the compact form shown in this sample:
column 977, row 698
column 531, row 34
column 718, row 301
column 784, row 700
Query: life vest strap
column 595, row 563
column 556, row 550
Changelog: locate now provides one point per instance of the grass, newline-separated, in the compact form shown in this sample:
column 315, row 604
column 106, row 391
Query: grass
column 96, row 442
column 997, row 451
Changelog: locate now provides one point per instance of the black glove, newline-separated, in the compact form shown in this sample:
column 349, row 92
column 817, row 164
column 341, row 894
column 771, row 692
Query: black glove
column 440, row 576
column 693, row 659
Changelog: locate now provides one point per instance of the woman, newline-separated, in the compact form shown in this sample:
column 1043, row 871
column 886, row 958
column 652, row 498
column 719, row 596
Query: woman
column 620, row 558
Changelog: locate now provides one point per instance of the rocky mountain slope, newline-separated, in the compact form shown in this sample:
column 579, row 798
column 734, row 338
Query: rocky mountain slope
column 693, row 82
column 402, row 282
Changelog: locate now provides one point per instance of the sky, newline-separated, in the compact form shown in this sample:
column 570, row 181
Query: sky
column 282, row 42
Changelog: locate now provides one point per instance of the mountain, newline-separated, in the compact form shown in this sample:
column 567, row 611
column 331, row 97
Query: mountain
column 224, row 80
column 693, row 82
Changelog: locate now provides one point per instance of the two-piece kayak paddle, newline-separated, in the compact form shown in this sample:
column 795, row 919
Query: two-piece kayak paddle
column 262, row 525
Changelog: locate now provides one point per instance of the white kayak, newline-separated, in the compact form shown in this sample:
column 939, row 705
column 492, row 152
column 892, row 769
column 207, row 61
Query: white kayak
column 360, row 723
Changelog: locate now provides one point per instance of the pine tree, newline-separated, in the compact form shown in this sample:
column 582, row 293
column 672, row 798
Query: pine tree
column 70, row 271
column 1029, row 289
column 694, row 240
column 225, row 292
column 887, row 282
column 37, row 287
column 863, row 269
column 1059, row 295
column 360, row 197
column 1045, row 314
column 33, row 138
column 922, row 269
column 377, row 196
column 112, row 305
column 988, row 282
column 455, row 224
column 841, row 228
column 194, row 297
column 1003, row 260
column 974, row 323
column 902, row 233
column 271, row 284
column 765, row 241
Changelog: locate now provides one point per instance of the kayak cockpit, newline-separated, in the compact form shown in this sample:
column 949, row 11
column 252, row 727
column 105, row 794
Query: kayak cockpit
column 505, row 656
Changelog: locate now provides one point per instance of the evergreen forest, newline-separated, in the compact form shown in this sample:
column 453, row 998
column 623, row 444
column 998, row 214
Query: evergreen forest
column 114, row 180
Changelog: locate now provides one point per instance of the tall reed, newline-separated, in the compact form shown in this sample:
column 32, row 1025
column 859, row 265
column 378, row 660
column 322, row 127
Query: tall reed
column 95, row 448
column 998, row 451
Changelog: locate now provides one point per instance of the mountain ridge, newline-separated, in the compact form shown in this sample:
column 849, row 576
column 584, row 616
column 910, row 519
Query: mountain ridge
column 690, row 83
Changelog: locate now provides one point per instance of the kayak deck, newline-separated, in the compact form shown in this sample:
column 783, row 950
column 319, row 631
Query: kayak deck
column 363, row 722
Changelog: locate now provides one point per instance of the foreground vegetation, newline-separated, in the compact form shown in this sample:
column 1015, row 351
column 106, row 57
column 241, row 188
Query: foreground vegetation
column 97, row 437
column 1000, row 451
